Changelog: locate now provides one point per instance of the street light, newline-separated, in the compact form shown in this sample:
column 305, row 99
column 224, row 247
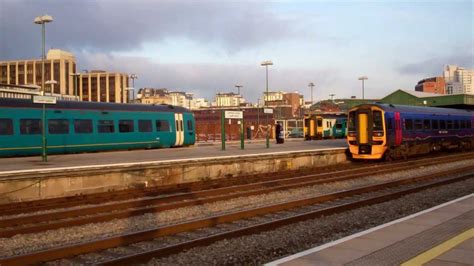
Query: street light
column 133, row 77
column 363, row 78
column 266, row 64
column 311, row 85
column 75, row 76
column 42, row 20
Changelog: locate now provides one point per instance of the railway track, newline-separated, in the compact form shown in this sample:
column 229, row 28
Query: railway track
column 130, row 194
column 240, row 223
column 38, row 222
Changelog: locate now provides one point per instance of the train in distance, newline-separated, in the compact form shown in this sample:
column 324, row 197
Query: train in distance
column 323, row 126
column 74, row 127
column 387, row 131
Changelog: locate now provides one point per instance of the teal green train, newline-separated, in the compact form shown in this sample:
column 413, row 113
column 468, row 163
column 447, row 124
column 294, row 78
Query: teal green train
column 74, row 127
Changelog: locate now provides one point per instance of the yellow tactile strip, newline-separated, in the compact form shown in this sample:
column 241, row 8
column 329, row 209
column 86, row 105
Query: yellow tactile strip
column 415, row 245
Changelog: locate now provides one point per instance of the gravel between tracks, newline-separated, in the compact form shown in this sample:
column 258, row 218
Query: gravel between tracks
column 287, row 240
column 21, row 244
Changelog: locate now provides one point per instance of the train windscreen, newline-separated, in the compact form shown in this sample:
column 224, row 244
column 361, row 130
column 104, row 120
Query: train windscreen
column 351, row 122
column 377, row 120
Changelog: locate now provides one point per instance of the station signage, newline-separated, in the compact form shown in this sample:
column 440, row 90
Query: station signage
column 234, row 114
column 267, row 111
column 44, row 99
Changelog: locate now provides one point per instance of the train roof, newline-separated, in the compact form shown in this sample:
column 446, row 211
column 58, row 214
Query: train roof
column 419, row 109
column 27, row 103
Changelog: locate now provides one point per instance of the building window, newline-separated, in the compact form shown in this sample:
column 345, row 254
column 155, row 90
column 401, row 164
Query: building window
column 6, row 127
column 58, row 126
column 162, row 125
column 30, row 126
column 83, row 126
column 144, row 126
column 125, row 126
column 106, row 126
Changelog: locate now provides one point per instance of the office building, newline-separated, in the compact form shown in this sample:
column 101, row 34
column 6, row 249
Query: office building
column 431, row 85
column 459, row 80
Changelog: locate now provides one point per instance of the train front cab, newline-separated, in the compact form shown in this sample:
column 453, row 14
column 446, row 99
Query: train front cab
column 366, row 132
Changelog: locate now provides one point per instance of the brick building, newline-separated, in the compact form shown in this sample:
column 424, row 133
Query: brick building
column 432, row 85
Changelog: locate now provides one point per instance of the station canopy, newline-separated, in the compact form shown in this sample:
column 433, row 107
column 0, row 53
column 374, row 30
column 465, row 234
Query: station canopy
column 416, row 98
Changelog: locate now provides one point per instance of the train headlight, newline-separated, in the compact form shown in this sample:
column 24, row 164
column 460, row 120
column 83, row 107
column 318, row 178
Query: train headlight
column 378, row 134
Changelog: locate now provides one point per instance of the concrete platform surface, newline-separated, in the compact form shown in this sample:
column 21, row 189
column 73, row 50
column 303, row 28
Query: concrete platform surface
column 22, row 164
column 443, row 235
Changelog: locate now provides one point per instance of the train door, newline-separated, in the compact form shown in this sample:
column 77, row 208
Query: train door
column 363, row 129
column 178, row 118
column 398, row 129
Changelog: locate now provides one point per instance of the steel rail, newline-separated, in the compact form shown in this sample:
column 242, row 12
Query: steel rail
column 72, row 201
column 130, row 238
column 36, row 223
column 144, row 257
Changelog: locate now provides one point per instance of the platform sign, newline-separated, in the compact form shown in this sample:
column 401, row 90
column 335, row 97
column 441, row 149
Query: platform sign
column 234, row 114
column 267, row 111
column 44, row 99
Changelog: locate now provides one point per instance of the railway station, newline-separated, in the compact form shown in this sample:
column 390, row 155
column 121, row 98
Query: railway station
column 236, row 133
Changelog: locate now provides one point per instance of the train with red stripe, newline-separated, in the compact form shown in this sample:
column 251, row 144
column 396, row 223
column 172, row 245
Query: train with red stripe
column 387, row 131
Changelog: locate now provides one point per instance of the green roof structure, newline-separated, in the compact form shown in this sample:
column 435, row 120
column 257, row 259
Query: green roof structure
column 416, row 98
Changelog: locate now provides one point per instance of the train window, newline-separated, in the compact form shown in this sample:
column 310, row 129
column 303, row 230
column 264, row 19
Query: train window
column 418, row 124
column 462, row 124
column 468, row 124
column 58, row 126
column 456, row 124
column 162, row 125
column 408, row 124
column 83, row 126
column 426, row 124
column 125, row 126
column 442, row 124
column 434, row 124
column 30, row 126
column 338, row 125
column 351, row 123
column 389, row 123
column 449, row 124
column 190, row 125
column 144, row 126
column 377, row 120
column 106, row 126
column 6, row 126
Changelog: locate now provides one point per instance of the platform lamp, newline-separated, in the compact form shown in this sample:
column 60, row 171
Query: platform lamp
column 75, row 77
column 42, row 20
column 133, row 77
column 266, row 64
column 311, row 85
column 363, row 78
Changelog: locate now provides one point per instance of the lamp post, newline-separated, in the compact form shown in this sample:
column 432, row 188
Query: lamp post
column 75, row 76
column 133, row 77
column 311, row 85
column 363, row 78
column 42, row 20
column 266, row 64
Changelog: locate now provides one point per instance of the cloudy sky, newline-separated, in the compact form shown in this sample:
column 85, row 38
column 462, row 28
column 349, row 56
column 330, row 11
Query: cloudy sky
column 205, row 46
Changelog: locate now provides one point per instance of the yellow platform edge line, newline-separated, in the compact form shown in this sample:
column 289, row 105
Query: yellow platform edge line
column 439, row 249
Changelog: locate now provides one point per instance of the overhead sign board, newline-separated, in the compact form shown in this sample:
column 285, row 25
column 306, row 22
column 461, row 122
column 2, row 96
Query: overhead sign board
column 44, row 99
column 234, row 114
column 268, row 111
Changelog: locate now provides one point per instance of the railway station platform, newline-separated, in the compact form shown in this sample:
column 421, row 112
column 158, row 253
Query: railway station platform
column 28, row 178
column 442, row 235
